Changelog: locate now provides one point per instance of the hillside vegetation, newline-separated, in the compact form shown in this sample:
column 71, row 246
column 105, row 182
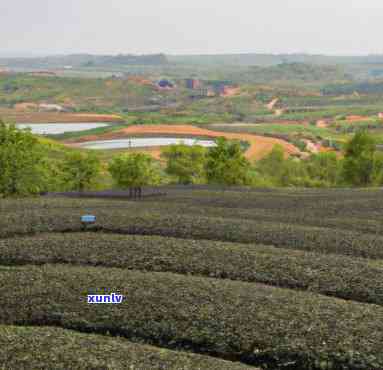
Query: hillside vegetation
column 76, row 94
column 212, row 271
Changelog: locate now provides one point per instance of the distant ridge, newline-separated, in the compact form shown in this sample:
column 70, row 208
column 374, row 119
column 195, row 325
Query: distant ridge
column 245, row 59
column 265, row 60
column 84, row 60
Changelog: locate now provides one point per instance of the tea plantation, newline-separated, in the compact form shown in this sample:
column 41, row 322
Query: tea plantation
column 212, row 279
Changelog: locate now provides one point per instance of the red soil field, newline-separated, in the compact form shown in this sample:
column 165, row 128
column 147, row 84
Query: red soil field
column 48, row 117
column 259, row 146
column 357, row 118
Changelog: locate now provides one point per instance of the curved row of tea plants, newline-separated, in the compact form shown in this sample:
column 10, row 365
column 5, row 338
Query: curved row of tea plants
column 323, row 200
column 34, row 347
column 343, row 277
column 293, row 215
column 363, row 212
column 253, row 323
column 323, row 208
column 317, row 239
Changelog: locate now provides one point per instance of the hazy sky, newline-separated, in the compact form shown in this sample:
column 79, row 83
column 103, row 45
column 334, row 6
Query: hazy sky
column 191, row 26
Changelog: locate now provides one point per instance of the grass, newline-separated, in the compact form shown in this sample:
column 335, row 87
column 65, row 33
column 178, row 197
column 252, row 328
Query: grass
column 174, row 117
column 89, row 94
column 306, row 113
column 95, row 131
column 274, row 128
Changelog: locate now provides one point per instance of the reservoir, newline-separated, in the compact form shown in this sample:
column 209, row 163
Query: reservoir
column 59, row 128
column 145, row 142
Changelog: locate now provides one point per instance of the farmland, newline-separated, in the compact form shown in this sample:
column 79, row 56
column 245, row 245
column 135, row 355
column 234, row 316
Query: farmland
column 213, row 278
column 259, row 146
column 293, row 104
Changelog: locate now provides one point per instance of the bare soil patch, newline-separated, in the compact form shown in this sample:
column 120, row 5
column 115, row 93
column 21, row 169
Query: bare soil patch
column 19, row 116
column 357, row 118
column 259, row 146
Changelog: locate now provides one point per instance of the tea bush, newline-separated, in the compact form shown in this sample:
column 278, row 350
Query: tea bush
column 339, row 276
column 310, row 238
column 253, row 323
column 33, row 348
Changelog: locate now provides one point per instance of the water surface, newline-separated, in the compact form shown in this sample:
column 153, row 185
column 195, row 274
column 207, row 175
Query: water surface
column 145, row 142
column 59, row 128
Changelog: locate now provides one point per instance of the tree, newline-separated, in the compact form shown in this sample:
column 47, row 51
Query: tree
column 272, row 166
column 21, row 157
column 80, row 170
column 358, row 163
column 227, row 165
column 133, row 171
column 185, row 162
column 324, row 167
column 281, row 171
column 377, row 176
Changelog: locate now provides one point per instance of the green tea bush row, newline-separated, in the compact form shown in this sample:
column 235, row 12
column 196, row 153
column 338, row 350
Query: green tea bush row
column 55, row 348
column 339, row 276
column 328, row 202
column 368, row 200
column 363, row 208
column 317, row 239
column 331, row 203
column 256, row 324
column 289, row 215
column 195, row 207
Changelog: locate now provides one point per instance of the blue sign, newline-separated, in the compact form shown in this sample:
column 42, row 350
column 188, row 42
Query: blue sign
column 88, row 219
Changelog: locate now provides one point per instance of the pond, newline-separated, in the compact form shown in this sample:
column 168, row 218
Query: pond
column 145, row 142
column 59, row 128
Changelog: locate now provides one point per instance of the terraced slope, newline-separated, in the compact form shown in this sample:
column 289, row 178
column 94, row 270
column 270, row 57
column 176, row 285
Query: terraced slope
column 210, row 278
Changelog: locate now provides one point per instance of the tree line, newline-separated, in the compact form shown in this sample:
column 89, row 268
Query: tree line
column 28, row 166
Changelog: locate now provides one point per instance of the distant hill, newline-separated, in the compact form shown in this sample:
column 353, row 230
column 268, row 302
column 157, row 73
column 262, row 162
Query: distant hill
column 298, row 72
column 273, row 59
column 239, row 68
column 84, row 60
column 244, row 60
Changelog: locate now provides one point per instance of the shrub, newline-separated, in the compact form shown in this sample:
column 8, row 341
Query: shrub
column 37, row 348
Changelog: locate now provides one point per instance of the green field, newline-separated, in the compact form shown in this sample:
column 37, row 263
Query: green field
column 212, row 279
column 304, row 93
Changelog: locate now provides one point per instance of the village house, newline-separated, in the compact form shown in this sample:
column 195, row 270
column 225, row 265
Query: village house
column 193, row 84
